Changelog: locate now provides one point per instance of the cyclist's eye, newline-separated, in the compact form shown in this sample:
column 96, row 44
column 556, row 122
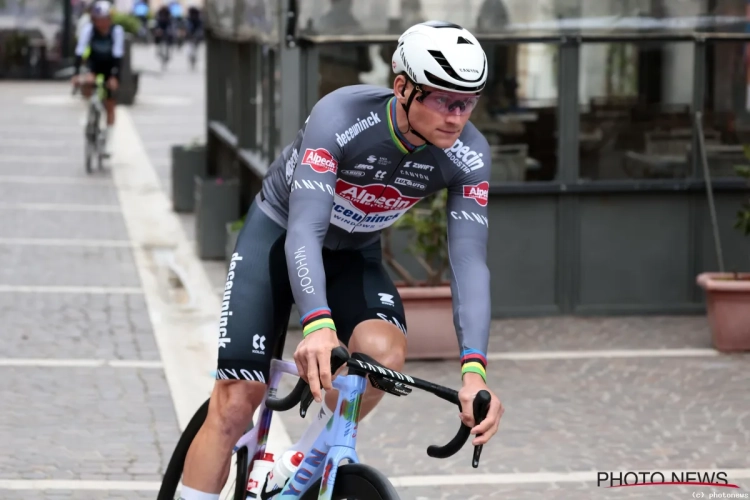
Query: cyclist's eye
column 457, row 104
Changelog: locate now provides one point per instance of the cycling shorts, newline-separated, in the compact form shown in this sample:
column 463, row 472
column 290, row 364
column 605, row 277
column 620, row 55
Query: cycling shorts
column 257, row 299
column 105, row 69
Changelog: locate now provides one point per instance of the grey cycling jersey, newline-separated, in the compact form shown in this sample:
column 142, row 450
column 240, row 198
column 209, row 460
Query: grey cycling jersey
column 349, row 174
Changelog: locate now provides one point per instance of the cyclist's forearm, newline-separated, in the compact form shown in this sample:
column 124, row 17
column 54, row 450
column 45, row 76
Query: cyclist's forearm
column 304, row 255
column 473, row 315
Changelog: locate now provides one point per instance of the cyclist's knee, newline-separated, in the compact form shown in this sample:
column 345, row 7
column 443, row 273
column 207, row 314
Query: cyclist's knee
column 233, row 403
column 381, row 340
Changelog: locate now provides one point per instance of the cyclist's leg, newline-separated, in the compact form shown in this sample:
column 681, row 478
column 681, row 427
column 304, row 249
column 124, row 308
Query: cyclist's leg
column 87, row 82
column 368, row 313
column 255, row 313
column 109, row 106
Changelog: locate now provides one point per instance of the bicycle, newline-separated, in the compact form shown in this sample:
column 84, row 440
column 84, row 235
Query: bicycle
column 320, row 476
column 94, row 132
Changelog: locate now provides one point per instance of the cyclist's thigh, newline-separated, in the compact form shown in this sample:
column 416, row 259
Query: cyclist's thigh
column 359, row 289
column 256, row 302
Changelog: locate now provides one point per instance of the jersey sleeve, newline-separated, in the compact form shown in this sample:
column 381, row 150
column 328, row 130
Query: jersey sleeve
column 118, row 41
column 84, row 39
column 310, row 204
column 468, row 227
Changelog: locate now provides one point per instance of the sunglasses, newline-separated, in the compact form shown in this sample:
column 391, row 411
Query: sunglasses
column 447, row 103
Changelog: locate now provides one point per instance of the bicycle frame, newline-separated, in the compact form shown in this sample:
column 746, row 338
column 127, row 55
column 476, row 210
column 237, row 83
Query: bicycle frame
column 335, row 444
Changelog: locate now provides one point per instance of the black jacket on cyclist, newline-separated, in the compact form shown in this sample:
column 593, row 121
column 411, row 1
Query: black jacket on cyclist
column 105, row 50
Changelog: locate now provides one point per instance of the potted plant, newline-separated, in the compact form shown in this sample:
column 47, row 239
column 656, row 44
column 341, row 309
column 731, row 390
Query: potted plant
column 188, row 162
column 728, row 294
column 233, row 232
column 427, row 302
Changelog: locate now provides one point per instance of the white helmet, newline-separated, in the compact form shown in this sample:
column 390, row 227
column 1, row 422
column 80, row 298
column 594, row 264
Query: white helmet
column 442, row 55
column 101, row 8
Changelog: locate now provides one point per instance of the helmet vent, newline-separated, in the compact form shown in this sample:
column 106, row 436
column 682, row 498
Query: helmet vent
column 443, row 62
column 462, row 40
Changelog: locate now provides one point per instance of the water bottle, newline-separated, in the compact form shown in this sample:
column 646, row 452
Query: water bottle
column 257, row 479
column 283, row 469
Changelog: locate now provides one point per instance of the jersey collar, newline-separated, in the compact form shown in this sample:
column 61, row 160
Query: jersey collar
column 398, row 138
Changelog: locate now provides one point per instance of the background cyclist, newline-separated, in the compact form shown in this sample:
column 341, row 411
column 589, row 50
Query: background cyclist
column 101, row 44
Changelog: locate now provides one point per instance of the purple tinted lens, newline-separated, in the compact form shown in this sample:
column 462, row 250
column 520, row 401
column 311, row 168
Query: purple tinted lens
column 450, row 103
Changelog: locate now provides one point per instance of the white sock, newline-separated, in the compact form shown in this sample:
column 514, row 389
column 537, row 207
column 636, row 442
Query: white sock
column 191, row 494
column 107, row 136
column 315, row 428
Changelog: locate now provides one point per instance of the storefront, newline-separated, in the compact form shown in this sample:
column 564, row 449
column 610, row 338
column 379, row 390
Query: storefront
column 597, row 202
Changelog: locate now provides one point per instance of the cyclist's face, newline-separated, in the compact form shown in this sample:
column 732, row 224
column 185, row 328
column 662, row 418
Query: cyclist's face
column 441, row 116
column 102, row 23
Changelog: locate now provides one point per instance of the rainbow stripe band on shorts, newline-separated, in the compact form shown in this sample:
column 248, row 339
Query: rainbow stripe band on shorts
column 473, row 361
column 315, row 320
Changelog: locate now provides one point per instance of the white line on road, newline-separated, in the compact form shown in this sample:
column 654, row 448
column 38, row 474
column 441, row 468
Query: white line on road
column 80, row 363
column 47, row 179
column 52, row 242
column 93, row 290
column 76, row 485
column 467, row 480
column 32, row 158
column 606, row 354
column 33, row 143
column 60, row 207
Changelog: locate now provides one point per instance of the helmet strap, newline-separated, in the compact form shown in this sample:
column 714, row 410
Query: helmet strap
column 407, row 106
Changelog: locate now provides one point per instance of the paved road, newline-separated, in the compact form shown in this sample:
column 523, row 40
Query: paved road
column 70, row 295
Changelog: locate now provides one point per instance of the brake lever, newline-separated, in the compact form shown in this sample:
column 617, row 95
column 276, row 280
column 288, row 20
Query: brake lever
column 481, row 408
column 339, row 357
column 305, row 401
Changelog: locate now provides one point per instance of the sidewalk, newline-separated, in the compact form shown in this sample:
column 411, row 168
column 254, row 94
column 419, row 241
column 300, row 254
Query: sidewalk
column 94, row 383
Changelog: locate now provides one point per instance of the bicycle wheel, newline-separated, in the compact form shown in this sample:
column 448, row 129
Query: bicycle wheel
column 357, row 482
column 173, row 474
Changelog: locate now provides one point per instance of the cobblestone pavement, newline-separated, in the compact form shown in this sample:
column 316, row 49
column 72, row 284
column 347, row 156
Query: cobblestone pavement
column 106, row 423
column 70, row 423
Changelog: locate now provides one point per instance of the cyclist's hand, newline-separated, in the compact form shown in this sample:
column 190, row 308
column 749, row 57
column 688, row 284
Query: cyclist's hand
column 473, row 383
column 313, row 359
column 112, row 83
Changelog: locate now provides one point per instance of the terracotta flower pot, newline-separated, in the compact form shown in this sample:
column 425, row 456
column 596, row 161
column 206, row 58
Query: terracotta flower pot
column 429, row 321
column 728, row 305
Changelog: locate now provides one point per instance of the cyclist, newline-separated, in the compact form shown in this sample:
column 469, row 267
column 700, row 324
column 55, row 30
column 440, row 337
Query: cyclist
column 194, row 23
column 178, row 23
column 194, row 29
column 312, row 235
column 102, row 45
column 164, row 28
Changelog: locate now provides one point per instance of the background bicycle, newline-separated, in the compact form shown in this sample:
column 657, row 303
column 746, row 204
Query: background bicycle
column 93, row 130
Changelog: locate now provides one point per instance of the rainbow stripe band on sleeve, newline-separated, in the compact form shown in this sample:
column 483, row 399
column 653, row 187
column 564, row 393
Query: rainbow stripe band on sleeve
column 473, row 361
column 315, row 320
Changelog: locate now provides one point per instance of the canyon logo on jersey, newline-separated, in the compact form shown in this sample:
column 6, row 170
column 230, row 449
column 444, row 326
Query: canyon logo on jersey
column 320, row 160
column 478, row 193
column 368, row 208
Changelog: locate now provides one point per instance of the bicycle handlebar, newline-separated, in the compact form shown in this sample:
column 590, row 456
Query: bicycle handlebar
column 360, row 364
